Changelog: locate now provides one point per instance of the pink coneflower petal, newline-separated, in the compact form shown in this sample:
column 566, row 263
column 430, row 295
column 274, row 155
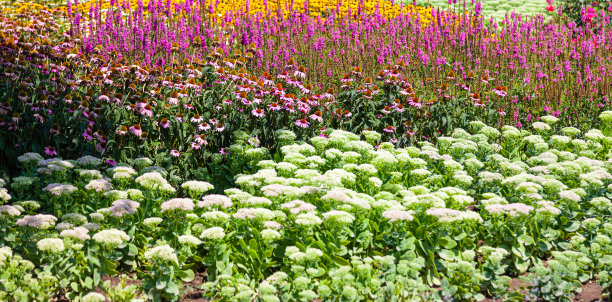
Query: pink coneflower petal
column 302, row 123
column 258, row 112
column 196, row 119
column 175, row 153
column 389, row 129
column 165, row 123
column 204, row 126
column 50, row 150
column 136, row 130
column 219, row 127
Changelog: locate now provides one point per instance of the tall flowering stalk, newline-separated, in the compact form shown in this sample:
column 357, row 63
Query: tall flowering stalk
column 506, row 53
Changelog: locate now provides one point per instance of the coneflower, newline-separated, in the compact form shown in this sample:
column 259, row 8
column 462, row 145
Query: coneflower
column 123, row 130
column 306, row 89
column 204, row 126
column 501, row 91
column 136, row 130
column 50, row 150
column 346, row 79
column 316, row 116
column 302, row 123
column 147, row 111
column 16, row 118
column 165, row 123
column 274, row 107
column 329, row 94
column 400, row 65
column 54, row 129
column 219, row 127
column 375, row 89
column 258, row 112
column 290, row 66
column 300, row 72
column 389, row 129
column 196, row 118
column 173, row 99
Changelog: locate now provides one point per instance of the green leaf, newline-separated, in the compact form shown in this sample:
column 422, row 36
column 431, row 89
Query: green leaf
column 88, row 282
column 132, row 250
column 447, row 242
column 574, row 226
column 341, row 261
column 448, row 255
column 186, row 275
column 519, row 252
column 253, row 244
column 521, row 265
column 525, row 239
column 96, row 278
column 160, row 284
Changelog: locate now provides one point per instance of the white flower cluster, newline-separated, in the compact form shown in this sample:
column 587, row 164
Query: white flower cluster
column 215, row 200
column 88, row 161
column 123, row 173
column 122, row 207
column 189, row 240
column 8, row 210
column 338, row 217
column 254, row 213
column 197, row 187
column 111, row 237
column 77, row 233
column 294, row 253
column 30, row 157
column 450, row 215
column 94, row 297
column 5, row 254
column 60, row 189
column 397, row 215
column 40, row 221
column 99, row 185
column 51, row 245
column 163, row 253
column 512, row 209
column 184, row 204
column 154, row 181
column 214, row 233
column 297, row 206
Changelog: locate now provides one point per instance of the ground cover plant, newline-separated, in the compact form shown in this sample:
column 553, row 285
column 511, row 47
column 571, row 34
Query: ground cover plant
column 286, row 152
column 337, row 216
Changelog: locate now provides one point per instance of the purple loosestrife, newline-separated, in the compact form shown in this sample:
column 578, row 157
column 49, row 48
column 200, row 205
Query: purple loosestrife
column 549, row 62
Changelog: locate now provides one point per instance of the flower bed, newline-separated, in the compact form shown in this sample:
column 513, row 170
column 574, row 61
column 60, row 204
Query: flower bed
column 338, row 216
